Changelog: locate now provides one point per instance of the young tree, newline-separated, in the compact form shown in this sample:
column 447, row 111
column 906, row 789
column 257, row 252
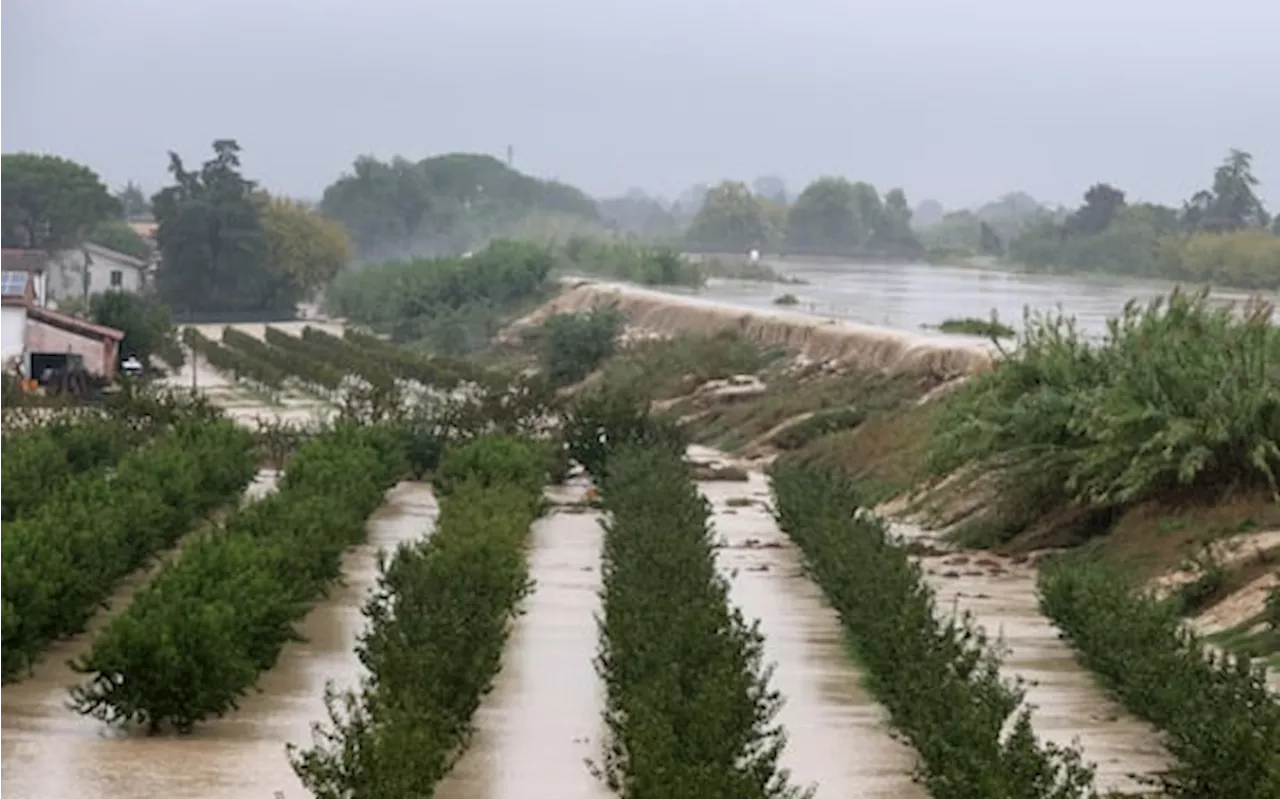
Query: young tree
column 1101, row 204
column 308, row 247
column 212, row 242
column 51, row 202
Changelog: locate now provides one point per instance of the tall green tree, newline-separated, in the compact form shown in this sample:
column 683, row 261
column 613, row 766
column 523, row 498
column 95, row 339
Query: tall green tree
column 893, row 234
column 308, row 247
column 731, row 218
column 212, row 241
column 827, row 215
column 51, row 202
column 117, row 235
column 1101, row 204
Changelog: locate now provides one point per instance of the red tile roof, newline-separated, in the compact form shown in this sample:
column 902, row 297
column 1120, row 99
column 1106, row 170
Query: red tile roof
column 74, row 324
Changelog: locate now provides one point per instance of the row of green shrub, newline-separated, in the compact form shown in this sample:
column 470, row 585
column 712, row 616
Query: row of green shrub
column 689, row 710
column 65, row 557
column 295, row 364
column 195, row 639
column 436, row 628
column 1220, row 722
column 38, row 461
column 316, row 343
column 1181, row 395
column 938, row 678
column 429, row 370
column 239, row 364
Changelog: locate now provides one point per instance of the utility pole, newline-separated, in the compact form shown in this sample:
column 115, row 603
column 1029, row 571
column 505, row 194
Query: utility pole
column 510, row 155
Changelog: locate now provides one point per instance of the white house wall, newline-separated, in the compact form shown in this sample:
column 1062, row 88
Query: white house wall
column 66, row 274
column 13, row 336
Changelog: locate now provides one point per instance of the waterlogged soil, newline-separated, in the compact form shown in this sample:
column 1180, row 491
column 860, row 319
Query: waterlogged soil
column 239, row 401
column 838, row 736
column 542, row 723
column 1067, row 703
column 50, row 752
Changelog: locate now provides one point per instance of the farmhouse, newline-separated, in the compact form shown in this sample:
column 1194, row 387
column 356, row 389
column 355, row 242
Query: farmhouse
column 38, row 338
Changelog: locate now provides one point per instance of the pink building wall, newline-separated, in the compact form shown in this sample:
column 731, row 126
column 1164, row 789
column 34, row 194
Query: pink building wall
column 99, row 355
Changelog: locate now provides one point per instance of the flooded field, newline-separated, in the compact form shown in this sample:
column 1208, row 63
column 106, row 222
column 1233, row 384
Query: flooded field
column 838, row 736
column 49, row 752
column 537, row 729
column 1067, row 703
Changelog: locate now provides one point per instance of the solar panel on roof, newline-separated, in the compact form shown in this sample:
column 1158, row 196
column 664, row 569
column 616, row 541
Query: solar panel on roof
column 13, row 282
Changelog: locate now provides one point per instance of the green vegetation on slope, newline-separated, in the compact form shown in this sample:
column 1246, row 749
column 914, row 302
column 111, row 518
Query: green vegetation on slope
column 1181, row 396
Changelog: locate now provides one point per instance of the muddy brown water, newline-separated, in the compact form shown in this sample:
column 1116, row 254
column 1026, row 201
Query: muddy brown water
column 537, row 729
column 1067, row 703
column 49, row 752
column 838, row 736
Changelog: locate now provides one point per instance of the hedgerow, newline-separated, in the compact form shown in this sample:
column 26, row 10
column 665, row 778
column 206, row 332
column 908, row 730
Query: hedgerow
column 38, row 461
column 65, row 557
column 441, row 372
column 195, row 639
column 1180, row 395
column 939, row 679
column 303, row 367
column 437, row 624
column 240, row 364
column 689, row 710
column 1221, row 723
column 338, row 352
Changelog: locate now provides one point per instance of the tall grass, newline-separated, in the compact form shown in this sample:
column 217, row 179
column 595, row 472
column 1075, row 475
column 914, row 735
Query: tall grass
column 1181, row 395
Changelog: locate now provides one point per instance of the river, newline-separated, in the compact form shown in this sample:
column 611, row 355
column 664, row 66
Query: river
column 916, row 296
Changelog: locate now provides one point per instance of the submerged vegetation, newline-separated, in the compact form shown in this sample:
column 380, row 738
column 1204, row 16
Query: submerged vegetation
column 973, row 326
column 939, row 679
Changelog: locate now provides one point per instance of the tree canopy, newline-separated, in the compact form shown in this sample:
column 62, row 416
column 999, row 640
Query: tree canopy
column 117, row 235
column 440, row 206
column 212, row 240
column 732, row 218
column 305, row 245
column 51, row 202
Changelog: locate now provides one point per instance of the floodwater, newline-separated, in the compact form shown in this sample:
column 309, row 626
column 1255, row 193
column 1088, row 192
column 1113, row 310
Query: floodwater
column 838, row 736
column 542, row 723
column 916, row 296
column 1067, row 703
column 49, row 752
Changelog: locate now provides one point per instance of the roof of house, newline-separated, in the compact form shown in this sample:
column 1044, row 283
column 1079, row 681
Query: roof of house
column 18, row 260
column 74, row 324
column 115, row 255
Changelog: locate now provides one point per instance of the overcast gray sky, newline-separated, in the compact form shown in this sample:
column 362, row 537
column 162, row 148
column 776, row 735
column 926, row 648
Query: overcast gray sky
column 958, row 100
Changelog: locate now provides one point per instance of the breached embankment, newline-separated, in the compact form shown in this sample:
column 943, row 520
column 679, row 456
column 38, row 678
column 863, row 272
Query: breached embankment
column 814, row 338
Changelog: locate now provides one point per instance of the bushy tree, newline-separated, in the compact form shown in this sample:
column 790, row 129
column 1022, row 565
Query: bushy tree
column 731, row 218
column 827, row 215
column 51, row 202
column 145, row 322
column 212, row 241
column 308, row 247
column 575, row 344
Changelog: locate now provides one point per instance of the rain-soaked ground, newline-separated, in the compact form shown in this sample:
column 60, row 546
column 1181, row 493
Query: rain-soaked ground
column 838, row 736
column 49, row 752
column 542, row 723
column 1067, row 703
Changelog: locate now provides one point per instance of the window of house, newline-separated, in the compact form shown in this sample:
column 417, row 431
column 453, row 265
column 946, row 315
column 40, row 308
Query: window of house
column 117, row 278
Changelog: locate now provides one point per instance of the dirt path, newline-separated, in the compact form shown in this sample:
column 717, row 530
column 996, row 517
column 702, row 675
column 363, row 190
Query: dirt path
column 49, row 752
column 838, row 736
column 542, row 721
column 1067, row 704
